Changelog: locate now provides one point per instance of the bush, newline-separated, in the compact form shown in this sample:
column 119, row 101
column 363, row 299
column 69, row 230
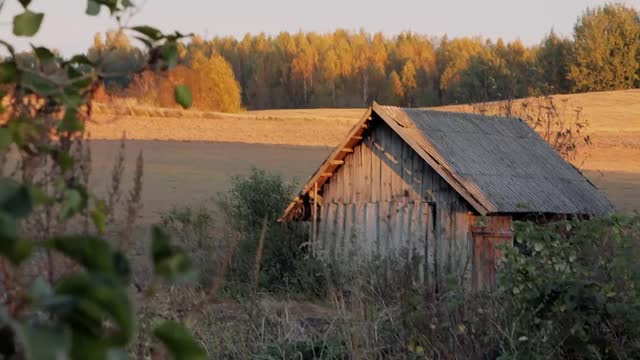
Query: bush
column 572, row 289
column 278, row 254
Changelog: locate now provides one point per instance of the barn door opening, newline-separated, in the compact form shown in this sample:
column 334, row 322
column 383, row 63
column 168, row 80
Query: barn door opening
column 486, row 237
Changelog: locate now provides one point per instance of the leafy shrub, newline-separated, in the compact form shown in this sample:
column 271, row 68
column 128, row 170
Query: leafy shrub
column 275, row 250
column 86, row 312
column 572, row 289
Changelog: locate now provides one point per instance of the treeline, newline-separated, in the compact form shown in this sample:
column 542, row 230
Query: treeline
column 350, row 69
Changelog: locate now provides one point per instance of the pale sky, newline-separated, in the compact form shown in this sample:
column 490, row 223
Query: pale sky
column 66, row 28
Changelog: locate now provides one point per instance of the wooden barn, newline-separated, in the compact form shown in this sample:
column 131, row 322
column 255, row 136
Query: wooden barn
column 440, row 187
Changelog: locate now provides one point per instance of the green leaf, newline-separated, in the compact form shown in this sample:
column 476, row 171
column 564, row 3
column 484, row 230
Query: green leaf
column 40, row 289
column 11, row 245
column 97, row 298
column 39, row 196
column 27, row 24
column 79, row 59
column 43, row 53
column 169, row 261
column 169, row 53
column 183, row 96
column 38, row 83
column 70, row 122
column 43, row 341
column 93, row 8
column 98, row 216
column 179, row 341
column 64, row 159
column 25, row 3
column 6, row 137
column 148, row 31
column 72, row 99
column 88, row 347
column 15, row 199
column 75, row 200
column 8, row 72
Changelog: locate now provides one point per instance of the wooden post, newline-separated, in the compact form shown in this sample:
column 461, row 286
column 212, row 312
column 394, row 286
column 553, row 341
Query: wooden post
column 314, row 238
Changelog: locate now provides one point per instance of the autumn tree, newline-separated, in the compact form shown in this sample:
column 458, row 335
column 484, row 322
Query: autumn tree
column 553, row 60
column 304, row 64
column 212, row 83
column 607, row 49
column 452, row 58
column 409, row 82
column 396, row 89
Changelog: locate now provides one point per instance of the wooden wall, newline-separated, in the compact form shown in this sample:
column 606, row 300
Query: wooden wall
column 385, row 200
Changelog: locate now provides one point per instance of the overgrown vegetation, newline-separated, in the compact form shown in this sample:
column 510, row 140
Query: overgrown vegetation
column 566, row 290
column 572, row 289
column 65, row 276
column 236, row 239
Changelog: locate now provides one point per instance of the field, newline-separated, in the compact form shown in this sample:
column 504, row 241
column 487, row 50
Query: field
column 181, row 173
column 199, row 151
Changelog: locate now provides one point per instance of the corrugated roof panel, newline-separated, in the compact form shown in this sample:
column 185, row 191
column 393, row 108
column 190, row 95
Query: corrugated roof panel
column 504, row 159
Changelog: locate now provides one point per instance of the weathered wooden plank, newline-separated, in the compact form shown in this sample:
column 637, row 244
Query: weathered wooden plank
column 394, row 155
column 348, row 231
column 385, row 168
column 356, row 174
column 336, row 182
column 405, row 221
column 318, row 246
column 339, row 232
column 447, row 240
column 360, row 229
column 371, row 226
column 436, row 246
column 418, row 236
column 416, row 177
column 375, row 171
column 407, row 171
column 427, row 183
column 385, row 227
column 398, row 225
column 366, row 173
column 464, row 245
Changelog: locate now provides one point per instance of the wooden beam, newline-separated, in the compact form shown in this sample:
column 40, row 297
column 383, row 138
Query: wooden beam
column 314, row 238
column 347, row 150
column 327, row 174
column 337, row 162
column 356, row 137
column 364, row 126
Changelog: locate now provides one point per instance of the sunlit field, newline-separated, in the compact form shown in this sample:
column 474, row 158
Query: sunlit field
column 199, row 152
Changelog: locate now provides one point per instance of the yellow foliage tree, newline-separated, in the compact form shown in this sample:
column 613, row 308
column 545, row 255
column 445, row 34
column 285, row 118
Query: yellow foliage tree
column 409, row 81
column 213, row 84
column 396, row 87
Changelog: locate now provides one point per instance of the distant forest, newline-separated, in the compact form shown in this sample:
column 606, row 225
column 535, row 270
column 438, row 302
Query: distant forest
column 351, row 69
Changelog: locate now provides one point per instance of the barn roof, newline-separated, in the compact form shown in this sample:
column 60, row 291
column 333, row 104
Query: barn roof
column 498, row 164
